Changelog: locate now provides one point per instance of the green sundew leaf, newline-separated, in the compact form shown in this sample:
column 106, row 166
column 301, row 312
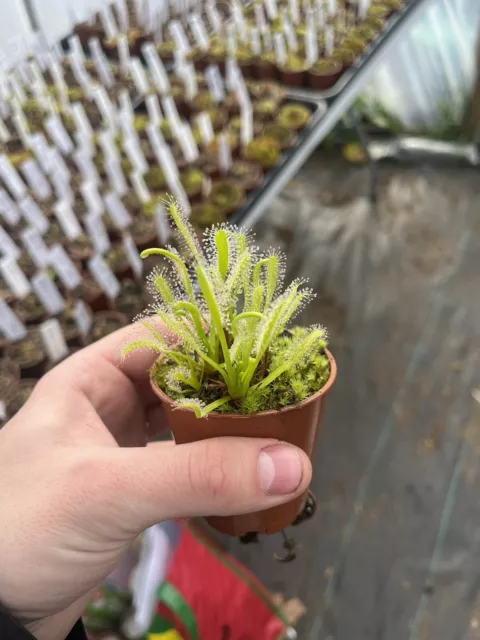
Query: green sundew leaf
column 257, row 271
column 271, row 279
column 247, row 314
column 221, row 242
column 257, row 298
column 236, row 278
column 299, row 349
column 199, row 408
column 163, row 289
column 159, row 337
column 141, row 344
column 194, row 314
column 185, row 230
column 179, row 265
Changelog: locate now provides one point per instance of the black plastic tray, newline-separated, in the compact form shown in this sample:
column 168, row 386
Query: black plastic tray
column 318, row 110
column 394, row 22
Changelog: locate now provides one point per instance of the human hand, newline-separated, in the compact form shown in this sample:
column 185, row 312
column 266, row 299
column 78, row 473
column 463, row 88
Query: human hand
column 78, row 484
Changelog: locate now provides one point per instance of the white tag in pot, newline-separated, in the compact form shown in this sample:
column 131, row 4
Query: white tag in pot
column 36, row 179
column 35, row 247
column 11, row 327
column 104, row 276
column 47, row 293
column 33, row 214
column 117, row 211
column 53, row 340
column 97, row 232
column 14, row 277
column 8, row 209
column 64, row 267
column 83, row 317
column 11, row 178
column 131, row 252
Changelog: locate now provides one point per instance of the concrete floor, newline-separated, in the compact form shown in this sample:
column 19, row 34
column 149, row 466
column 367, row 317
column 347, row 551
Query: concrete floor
column 394, row 550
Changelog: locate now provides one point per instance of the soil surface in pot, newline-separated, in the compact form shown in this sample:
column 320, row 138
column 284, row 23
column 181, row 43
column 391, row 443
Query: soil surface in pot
column 106, row 322
column 9, row 376
column 19, row 397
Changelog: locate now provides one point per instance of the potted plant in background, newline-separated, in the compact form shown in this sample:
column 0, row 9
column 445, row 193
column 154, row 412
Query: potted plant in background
column 229, row 366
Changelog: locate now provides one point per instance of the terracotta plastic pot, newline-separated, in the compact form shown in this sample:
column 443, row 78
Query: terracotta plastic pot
column 266, row 70
column 293, row 78
column 298, row 425
column 323, row 81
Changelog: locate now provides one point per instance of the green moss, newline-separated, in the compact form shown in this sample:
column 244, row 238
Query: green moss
column 293, row 116
column 263, row 150
column 288, row 390
column 154, row 178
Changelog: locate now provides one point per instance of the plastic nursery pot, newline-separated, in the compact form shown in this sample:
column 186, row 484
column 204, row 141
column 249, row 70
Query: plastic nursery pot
column 105, row 323
column 144, row 232
column 297, row 425
column 324, row 74
column 29, row 355
column 18, row 397
column 293, row 75
column 81, row 250
column 264, row 150
column 130, row 301
column 85, row 31
column 192, row 182
column 265, row 69
column 227, row 195
column 91, row 294
column 247, row 175
column 286, row 138
column 30, row 310
column 118, row 262
column 72, row 334
column 9, row 377
column 205, row 215
column 293, row 116
column 154, row 179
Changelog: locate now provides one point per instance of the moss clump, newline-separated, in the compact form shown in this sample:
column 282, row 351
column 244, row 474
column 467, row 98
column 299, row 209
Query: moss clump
column 294, row 64
column 205, row 215
column 192, row 181
column 293, row 116
column 263, row 150
column 154, row 178
column 265, row 109
column 283, row 135
column 227, row 195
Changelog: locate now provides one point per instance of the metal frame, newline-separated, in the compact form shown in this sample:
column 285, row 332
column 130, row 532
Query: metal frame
column 337, row 107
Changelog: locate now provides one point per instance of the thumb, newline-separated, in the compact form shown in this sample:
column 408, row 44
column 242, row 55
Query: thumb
column 220, row 476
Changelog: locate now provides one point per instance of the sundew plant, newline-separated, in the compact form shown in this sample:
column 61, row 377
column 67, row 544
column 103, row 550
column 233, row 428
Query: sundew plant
column 227, row 347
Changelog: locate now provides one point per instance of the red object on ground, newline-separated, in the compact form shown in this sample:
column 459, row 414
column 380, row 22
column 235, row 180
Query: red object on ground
column 224, row 600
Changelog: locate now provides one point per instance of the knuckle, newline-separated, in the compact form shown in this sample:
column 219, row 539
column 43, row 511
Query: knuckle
column 208, row 472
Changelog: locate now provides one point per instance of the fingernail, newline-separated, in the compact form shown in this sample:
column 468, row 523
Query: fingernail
column 280, row 470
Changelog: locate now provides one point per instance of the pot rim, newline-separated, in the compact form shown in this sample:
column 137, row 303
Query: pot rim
column 214, row 415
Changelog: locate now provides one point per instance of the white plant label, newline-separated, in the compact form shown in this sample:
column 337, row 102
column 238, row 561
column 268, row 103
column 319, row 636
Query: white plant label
column 60, row 137
column 64, row 267
column 280, row 49
column 101, row 63
column 116, row 177
column 167, row 162
column 105, row 106
column 170, row 109
column 271, row 7
column 11, row 327
column 8, row 246
column 82, row 123
column 135, row 154
column 247, row 125
column 117, row 211
column 123, row 53
column 156, row 68
column 139, row 76
column 36, row 179
column 260, row 18
column 76, row 48
column 62, row 187
column 14, row 277
column 131, row 252
column 8, row 209
column 11, row 178
column 4, row 132
column 97, row 232
column 82, row 77
column 53, row 340
column 294, row 11
column 161, row 222
column 33, row 214
column 231, row 38
column 125, row 101
column 83, row 317
column 91, row 197
column 58, row 165
column 104, row 276
column 21, row 126
column 320, row 14
column 255, row 41
column 224, row 154
column 205, row 125
column 17, row 89
column 190, row 80
column 47, row 293
column 41, row 150
column 290, row 36
column 153, row 108
column 332, row 7
column 214, row 17
column 187, row 144
column 311, row 45
column 141, row 189
column 109, row 148
column 215, row 83
column 178, row 34
column 35, row 247
column 67, row 220
column 329, row 41
column 86, row 166
column 199, row 32
column 232, row 74
column 108, row 22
